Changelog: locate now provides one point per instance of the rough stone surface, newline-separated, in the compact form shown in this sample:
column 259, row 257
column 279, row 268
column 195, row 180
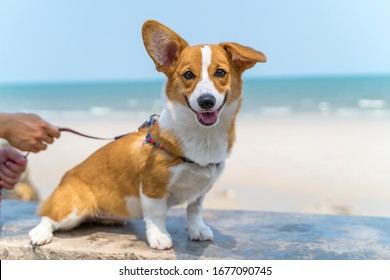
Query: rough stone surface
column 238, row 235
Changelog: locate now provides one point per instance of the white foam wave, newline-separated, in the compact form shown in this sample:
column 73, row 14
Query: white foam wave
column 276, row 111
column 348, row 112
column 372, row 103
column 100, row 111
column 94, row 115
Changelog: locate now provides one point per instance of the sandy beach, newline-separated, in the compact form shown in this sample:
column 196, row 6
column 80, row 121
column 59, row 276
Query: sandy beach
column 301, row 164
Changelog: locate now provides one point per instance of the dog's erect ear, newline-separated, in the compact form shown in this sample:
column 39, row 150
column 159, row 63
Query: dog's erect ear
column 162, row 44
column 243, row 57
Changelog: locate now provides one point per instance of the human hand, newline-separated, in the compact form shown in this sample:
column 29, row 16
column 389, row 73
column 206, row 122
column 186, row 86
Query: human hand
column 27, row 132
column 12, row 165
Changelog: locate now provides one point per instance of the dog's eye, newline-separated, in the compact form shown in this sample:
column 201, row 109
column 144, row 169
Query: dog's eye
column 220, row 73
column 188, row 75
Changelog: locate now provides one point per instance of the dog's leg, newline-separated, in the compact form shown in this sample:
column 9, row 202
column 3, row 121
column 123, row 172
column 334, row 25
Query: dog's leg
column 155, row 211
column 63, row 210
column 197, row 229
column 43, row 233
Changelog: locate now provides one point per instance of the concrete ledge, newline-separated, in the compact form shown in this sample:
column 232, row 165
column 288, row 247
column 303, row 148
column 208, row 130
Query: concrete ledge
column 238, row 235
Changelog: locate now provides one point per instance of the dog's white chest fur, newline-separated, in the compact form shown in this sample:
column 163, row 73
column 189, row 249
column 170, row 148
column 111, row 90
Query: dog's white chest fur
column 189, row 181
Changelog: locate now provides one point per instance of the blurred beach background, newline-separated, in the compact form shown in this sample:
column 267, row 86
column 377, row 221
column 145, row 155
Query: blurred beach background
column 313, row 134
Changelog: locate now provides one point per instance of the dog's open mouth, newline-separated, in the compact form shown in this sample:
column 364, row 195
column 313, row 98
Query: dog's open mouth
column 207, row 118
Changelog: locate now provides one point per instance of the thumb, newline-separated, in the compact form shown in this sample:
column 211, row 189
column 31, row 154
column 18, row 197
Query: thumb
column 15, row 156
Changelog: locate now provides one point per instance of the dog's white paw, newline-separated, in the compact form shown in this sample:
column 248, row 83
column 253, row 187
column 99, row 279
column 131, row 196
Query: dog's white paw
column 159, row 240
column 40, row 235
column 200, row 233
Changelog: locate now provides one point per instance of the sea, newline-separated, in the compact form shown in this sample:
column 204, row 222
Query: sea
column 340, row 97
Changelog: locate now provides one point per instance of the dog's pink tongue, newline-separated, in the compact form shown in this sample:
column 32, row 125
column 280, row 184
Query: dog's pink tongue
column 208, row 117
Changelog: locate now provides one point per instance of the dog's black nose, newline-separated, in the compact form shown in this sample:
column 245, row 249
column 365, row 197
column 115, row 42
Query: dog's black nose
column 206, row 101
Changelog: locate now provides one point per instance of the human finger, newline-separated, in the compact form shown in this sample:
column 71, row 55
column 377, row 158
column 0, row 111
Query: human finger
column 5, row 185
column 7, row 171
column 53, row 131
column 48, row 139
column 18, row 168
column 39, row 147
column 8, row 182
column 15, row 156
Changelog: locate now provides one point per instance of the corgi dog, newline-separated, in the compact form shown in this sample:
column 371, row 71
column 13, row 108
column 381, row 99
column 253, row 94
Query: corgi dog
column 173, row 159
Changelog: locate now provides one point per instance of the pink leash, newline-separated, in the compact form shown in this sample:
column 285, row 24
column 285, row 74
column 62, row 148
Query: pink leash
column 84, row 135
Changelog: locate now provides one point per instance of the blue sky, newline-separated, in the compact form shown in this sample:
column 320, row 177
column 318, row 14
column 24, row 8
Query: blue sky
column 93, row 40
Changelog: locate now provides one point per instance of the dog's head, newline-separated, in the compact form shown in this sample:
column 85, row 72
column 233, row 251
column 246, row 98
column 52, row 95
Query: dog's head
column 203, row 78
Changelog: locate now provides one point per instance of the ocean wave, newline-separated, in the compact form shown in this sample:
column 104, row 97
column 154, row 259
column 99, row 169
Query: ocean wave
column 100, row 111
column 379, row 113
column 276, row 111
column 372, row 103
column 100, row 115
column 348, row 112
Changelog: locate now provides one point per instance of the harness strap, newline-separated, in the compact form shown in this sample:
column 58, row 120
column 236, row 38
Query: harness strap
column 149, row 139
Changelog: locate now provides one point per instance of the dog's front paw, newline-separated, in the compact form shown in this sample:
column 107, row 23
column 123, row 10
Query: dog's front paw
column 40, row 235
column 159, row 240
column 200, row 233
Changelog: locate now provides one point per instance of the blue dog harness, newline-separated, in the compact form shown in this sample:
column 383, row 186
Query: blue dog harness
column 149, row 139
